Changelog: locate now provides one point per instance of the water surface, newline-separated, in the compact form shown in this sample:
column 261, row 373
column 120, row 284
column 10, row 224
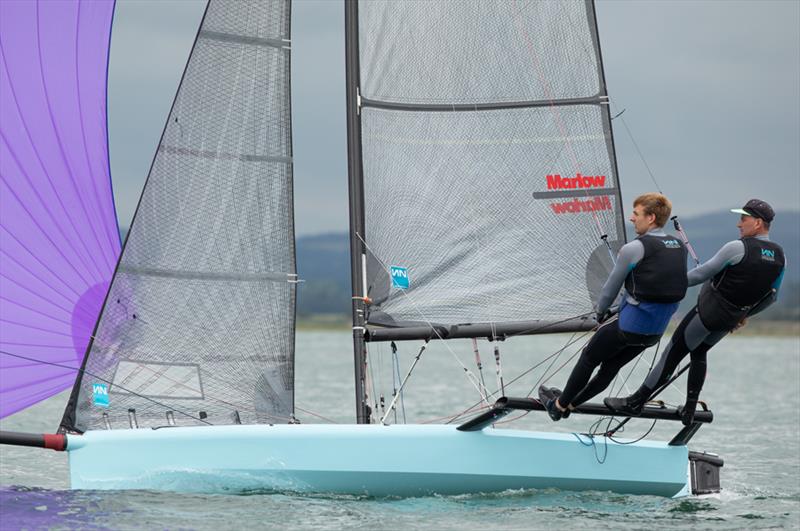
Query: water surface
column 760, row 445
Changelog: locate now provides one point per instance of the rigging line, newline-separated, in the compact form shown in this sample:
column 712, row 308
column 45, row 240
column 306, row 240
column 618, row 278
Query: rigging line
column 471, row 377
column 548, row 325
column 396, row 373
column 316, row 415
column 652, row 395
column 611, row 436
column 544, row 380
column 480, row 368
column 237, row 406
column 674, row 219
column 553, row 358
column 514, row 419
column 108, row 382
column 176, row 383
column 477, row 407
column 215, row 334
column 403, row 383
column 162, row 335
column 630, row 373
column 478, row 404
column 638, row 151
column 52, row 304
column 56, row 384
column 32, row 327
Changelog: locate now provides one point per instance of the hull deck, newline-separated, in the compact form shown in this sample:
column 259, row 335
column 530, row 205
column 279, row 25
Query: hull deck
column 375, row 460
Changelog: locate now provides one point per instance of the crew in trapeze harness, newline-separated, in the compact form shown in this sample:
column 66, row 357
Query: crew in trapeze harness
column 653, row 270
column 741, row 280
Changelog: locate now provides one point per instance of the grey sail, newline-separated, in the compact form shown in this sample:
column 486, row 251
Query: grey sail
column 198, row 326
column 487, row 165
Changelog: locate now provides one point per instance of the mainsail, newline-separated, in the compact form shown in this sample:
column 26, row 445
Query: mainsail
column 487, row 173
column 198, row 326
column 59, row 239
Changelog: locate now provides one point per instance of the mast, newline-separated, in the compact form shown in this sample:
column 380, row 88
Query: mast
column 356, row 194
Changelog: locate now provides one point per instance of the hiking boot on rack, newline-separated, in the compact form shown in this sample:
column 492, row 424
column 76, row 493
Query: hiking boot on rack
column 548, row 400
column 630, row 406
column 686, row 412
column 557, row 393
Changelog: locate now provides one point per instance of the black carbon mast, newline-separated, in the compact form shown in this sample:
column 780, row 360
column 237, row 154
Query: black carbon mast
column 356, row 193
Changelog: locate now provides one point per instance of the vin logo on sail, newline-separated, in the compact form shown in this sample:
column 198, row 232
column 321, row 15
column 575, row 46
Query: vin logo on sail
column 399, row 277
column 578, row 187
column 100, row 394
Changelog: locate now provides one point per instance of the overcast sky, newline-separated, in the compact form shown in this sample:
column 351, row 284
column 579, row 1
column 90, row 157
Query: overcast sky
column 711, row 91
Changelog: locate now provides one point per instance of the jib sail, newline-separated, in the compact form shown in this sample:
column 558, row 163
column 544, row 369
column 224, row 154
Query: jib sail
column 198, row 326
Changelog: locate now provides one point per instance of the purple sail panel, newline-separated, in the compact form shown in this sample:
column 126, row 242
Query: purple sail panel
column 59, row 239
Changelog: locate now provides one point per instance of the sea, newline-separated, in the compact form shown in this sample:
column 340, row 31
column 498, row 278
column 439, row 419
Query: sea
column 753, row 388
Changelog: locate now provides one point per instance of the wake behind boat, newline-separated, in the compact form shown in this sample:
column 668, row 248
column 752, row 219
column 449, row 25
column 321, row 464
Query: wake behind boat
column 454, row 149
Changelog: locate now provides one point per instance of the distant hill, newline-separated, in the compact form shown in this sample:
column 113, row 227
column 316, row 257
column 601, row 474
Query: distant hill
column 323, row 262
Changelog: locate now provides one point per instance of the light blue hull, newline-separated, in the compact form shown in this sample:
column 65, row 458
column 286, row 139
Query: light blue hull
column 401, row 460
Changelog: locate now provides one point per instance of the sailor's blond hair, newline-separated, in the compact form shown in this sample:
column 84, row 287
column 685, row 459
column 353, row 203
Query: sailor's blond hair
column 655, row 204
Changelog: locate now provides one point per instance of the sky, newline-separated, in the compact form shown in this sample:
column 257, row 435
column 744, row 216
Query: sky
column 711, row 92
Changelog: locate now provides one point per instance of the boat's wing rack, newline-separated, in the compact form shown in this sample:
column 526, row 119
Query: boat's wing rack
column 507, row 404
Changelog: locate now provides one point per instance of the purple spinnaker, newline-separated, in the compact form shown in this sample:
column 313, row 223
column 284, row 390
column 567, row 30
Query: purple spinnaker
column 59, row 239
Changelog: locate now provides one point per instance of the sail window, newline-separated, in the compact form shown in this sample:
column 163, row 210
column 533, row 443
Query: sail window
column 157, row 380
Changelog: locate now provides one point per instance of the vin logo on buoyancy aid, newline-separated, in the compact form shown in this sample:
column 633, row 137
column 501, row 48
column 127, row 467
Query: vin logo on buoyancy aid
column 671, row 244
column 578, row 187
column 768, row 255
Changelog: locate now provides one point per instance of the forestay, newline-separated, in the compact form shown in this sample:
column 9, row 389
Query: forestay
column 488, row 165
column 199, row 322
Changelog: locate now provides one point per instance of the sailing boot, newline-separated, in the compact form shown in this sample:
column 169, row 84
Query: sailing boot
column 686, row 412
column 557, row 393
column 548, row 400
column 630, row 406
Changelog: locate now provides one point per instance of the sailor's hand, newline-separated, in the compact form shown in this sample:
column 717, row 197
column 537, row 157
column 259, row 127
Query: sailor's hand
column 741, row 324
column 602, row 317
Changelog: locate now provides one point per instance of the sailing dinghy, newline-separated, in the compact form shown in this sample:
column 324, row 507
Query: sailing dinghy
column 484, row 201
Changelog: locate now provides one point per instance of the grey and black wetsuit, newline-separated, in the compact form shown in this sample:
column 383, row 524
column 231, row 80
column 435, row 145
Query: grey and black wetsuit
column 742, row 279
column 653, row 270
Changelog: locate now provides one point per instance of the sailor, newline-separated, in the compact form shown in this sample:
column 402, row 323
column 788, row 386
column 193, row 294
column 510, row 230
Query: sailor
column 653, row 270
column 741, row 280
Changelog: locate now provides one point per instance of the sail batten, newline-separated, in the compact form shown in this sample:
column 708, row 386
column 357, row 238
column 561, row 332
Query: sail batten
column 440, row 107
